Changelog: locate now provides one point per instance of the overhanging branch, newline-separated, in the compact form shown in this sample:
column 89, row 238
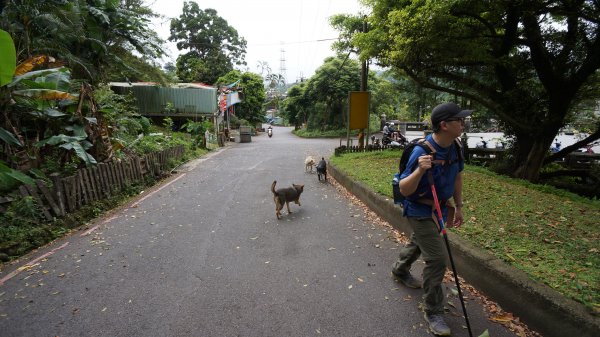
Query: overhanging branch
column 571, row 148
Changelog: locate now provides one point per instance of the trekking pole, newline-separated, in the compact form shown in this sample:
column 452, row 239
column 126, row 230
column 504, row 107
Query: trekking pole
column 443, row 231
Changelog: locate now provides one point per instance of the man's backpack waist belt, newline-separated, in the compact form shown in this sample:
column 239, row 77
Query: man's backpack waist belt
column 429, row 202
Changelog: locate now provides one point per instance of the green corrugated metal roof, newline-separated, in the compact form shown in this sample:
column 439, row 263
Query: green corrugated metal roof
column 153, row 99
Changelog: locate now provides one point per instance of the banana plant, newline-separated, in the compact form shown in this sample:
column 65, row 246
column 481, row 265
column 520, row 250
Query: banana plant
column 43, row 95
column 79, row 144
column 11, row 178
column 8, row 61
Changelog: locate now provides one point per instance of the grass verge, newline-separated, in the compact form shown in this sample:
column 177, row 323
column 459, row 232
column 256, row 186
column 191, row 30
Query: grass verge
column 550, row 234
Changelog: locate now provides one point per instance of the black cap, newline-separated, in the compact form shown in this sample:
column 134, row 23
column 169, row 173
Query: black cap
column 446, row 111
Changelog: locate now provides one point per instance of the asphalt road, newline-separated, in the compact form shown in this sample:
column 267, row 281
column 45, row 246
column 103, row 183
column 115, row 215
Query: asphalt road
column 204, row 255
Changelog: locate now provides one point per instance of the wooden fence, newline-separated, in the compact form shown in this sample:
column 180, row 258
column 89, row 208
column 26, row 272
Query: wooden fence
column 68, row 194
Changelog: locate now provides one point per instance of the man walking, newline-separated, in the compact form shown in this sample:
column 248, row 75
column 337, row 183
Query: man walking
column 444, row 159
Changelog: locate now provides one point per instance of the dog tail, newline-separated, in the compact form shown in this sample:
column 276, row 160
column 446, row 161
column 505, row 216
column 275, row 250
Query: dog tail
column 273, row 187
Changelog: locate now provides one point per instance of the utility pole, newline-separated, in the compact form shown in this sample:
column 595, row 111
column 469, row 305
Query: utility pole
column 364, row 74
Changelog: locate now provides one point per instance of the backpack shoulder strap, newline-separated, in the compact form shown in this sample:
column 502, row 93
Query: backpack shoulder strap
column 459, row 151
column 424, row 144
column 430, row 148
column 457, row 146
column 433, row 151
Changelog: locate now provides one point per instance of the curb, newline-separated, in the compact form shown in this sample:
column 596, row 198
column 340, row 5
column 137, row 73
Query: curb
column 539, row 306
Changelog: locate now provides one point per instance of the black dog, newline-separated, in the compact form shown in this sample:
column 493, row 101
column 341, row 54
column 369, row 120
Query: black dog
column 322, row 169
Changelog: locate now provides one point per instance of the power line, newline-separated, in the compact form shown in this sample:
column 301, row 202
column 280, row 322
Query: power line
column 294, row 42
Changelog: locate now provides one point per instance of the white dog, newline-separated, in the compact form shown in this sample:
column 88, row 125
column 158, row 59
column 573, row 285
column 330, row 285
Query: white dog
column 309, row 162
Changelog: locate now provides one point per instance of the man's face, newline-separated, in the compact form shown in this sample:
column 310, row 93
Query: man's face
column 455, row 126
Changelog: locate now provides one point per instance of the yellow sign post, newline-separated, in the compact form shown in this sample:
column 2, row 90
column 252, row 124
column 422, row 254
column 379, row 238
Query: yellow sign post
column 358, row 111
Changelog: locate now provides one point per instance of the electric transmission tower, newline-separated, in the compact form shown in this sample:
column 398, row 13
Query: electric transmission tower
column 282, row 69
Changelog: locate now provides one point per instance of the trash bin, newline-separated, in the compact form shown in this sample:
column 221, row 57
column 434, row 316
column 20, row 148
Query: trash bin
column 245, row 134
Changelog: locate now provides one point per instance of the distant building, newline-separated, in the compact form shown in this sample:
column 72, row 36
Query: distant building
column 182, row 99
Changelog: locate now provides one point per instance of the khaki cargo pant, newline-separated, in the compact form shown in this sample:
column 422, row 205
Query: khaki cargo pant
column 425, row 240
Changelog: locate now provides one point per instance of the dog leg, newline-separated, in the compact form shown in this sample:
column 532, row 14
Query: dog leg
column 287, row 204
column 278, row 207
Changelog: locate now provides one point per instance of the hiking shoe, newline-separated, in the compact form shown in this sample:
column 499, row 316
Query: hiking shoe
column 437, row 325
column 408, row 280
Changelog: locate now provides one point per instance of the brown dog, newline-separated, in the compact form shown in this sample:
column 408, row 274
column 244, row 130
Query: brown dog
column 286, row 195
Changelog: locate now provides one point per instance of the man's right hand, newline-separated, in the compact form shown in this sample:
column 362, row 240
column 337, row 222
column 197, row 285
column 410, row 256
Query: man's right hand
column 424, row 163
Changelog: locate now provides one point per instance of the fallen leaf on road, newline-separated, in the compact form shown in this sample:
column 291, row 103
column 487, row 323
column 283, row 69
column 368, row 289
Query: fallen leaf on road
column 350, row 287
column 331, row 248
column 502, row 318
column 27, row 267
column 485, row 334
column 360, row 280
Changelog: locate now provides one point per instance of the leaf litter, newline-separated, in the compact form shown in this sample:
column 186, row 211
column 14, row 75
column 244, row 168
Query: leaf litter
column 492, row 310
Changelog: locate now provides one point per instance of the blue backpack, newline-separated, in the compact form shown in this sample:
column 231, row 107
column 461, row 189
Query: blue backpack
column 429, row 149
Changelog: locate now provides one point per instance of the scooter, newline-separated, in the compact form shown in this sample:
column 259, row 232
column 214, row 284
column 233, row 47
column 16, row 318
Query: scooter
column 556, row 147
column 588, row 148
column 388, row 140
column 482, row 145
column 270, row 132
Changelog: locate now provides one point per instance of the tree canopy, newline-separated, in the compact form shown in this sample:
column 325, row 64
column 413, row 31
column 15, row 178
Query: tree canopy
column 530, row 63
column 322, row 100
column 213, row 46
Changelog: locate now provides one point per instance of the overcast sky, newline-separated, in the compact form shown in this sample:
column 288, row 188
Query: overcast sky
column 270, row 26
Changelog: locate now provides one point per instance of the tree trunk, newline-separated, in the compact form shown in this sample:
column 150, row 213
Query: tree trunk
column 530, row 161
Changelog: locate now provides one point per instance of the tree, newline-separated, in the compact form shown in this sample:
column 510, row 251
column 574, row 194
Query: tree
column 296, row 105
column 252, row 94
column 213, row 46
column 136, row 69
column 530, row 63
column 264, row 67
column 329, row 86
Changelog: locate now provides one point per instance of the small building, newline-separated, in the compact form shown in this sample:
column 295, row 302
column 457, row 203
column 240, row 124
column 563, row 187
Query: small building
column 179, row 100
